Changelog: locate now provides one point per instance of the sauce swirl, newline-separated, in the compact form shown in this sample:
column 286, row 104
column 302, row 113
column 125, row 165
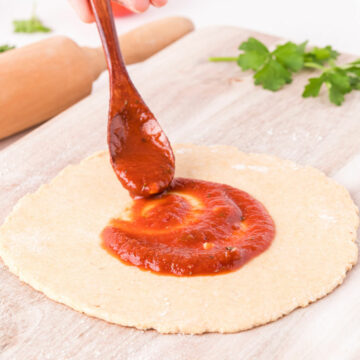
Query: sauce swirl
column 194, row 228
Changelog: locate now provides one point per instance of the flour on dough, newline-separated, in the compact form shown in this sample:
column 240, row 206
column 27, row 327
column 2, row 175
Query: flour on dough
column 51, row 241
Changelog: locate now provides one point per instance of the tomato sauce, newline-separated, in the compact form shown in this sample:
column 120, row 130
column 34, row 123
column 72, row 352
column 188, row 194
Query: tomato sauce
column 194, row 228
column 141, row 155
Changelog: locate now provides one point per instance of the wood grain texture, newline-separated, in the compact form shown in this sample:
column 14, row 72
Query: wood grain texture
column 200, row 102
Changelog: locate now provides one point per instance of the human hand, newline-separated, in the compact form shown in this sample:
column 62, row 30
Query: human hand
column 83, row 8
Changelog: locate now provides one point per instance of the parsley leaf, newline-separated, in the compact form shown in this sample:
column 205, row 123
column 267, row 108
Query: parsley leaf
column 354, row 76
column 320, row 55
column 335, row 95
column 338, row 78
column 254, row 56
column 32, row 25
column 272, row 76
column 272, row 69
column 354, row 70
column 290, row 55
column 6, row 47
column 313, row 87
column 355, row 83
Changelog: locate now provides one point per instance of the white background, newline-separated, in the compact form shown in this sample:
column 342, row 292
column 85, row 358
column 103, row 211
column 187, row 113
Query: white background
column 335, row 22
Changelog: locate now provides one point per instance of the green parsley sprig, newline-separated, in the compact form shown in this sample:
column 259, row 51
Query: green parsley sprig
column 6, row 47
column 274, row 69
column 339, row 80
column 32, row 25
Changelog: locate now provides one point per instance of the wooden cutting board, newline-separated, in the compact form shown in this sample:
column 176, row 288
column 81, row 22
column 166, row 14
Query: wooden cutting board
column 200, row 102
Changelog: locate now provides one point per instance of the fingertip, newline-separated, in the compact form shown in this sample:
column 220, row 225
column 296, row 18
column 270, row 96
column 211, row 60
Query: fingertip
column 158, row 3
column 137, row 5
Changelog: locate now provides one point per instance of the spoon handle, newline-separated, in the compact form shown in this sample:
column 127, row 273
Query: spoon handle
column 120, row 82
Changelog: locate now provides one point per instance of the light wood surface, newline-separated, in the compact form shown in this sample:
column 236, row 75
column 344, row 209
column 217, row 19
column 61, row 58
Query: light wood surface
column 200, row 102
column 42, row 79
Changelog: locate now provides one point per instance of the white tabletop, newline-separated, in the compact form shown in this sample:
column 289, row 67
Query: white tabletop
column 323, row 22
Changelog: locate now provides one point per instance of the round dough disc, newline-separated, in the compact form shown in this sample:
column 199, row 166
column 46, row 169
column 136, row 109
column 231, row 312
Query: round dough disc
column 51, row 241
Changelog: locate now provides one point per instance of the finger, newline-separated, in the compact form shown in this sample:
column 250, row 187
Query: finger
column 158, row 3
column 83, row 9
column 136, row 5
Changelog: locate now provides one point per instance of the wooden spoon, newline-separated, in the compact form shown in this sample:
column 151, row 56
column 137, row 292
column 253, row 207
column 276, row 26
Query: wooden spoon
column 140, row 152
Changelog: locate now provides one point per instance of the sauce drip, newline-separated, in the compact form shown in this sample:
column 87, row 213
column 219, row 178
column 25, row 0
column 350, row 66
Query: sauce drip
column 194, row 228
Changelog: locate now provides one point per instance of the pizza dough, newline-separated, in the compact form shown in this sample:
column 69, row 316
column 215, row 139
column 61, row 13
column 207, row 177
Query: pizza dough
column 51, row 241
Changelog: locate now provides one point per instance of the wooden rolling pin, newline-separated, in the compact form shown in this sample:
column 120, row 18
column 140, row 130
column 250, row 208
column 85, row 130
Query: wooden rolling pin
column 40, row 80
